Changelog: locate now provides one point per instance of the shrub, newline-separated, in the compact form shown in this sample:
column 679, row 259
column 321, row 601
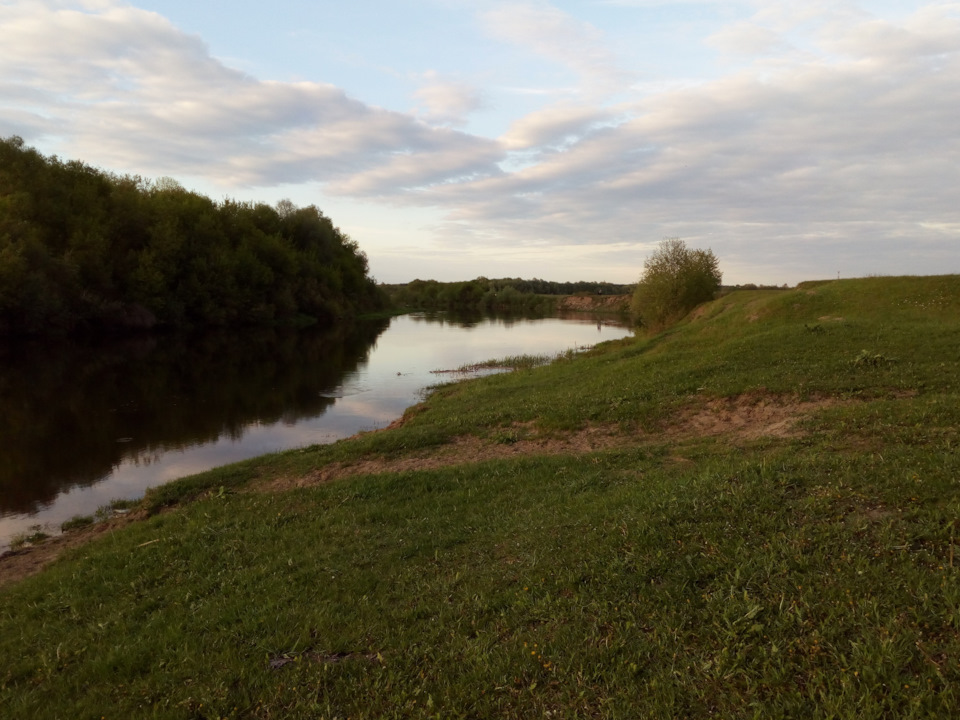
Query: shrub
column 675, row 280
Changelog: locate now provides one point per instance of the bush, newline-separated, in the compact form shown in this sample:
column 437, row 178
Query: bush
column 675, row 280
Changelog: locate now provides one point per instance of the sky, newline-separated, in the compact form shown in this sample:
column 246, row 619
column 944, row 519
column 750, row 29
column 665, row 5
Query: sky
column 561, row 140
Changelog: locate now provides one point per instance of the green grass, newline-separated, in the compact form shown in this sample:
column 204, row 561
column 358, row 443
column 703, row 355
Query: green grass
column 77, row 522
column 807, row 576
column 513, row 362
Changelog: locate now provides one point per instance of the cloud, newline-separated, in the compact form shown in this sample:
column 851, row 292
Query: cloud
column 442, row 158
column 561, row 38
column 662, row 3
column 555, row 125
column 931, row 32
column 748, row 39
column 125, row 86
column 853, row 159
column 445, row 102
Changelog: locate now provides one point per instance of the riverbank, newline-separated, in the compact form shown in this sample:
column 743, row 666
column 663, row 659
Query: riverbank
column 751, row 514
column 125, row 415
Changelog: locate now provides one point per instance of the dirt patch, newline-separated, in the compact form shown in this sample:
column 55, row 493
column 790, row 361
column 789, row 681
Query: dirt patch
column 594, row 303
column 746, row 417
column 869, row 515
column 749, row 416
column 15, row 565
column 464, row 450
column 700, row 312
column 753, row 310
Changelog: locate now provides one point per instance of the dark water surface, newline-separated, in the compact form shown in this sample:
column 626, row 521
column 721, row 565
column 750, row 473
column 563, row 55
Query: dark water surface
column 85, row 423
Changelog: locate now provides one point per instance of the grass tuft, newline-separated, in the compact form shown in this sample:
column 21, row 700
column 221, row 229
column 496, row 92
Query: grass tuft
column 34, row 536
column 77, row 522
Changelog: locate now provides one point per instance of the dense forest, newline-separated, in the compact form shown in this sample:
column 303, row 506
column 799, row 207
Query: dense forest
column 503, row 295
column 82, row 249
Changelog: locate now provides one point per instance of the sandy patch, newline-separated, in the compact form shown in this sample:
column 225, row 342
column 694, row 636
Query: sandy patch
column 463, row 450
column 744, row 418
column 747, row 417
column 594, row 303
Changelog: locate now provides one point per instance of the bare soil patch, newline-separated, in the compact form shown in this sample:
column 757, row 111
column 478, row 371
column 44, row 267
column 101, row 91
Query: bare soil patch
column 594, row 303
column 748, row 417
column 463, row 450
column 15, row 565
column 700, row 311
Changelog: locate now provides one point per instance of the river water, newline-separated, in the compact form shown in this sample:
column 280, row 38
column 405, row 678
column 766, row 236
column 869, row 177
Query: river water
column 84, row 424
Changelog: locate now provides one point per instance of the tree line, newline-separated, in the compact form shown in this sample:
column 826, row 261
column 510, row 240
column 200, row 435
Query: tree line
column 501, row 295
column 83, row 249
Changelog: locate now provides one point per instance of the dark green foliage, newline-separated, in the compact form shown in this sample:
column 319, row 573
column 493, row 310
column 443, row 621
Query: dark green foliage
column 83, row 249
column 675, row 280
column 501, row 295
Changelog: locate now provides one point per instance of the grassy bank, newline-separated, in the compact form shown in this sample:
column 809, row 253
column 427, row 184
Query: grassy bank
column 752, row 514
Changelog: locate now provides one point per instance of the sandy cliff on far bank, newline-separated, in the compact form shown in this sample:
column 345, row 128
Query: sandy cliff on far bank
column 595, row 303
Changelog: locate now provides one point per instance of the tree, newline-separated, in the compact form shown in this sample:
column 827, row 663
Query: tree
column 81, row 249
column 675, row 280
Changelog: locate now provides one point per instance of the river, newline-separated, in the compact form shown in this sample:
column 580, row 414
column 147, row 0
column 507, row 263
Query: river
column 87, row 423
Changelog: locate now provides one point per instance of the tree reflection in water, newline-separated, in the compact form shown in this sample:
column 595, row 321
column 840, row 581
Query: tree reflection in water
column 72, row 412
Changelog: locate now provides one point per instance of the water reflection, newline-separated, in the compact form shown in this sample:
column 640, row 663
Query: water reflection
column 73, row 413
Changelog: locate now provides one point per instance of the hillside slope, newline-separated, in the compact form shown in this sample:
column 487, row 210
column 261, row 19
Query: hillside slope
column 752, row 514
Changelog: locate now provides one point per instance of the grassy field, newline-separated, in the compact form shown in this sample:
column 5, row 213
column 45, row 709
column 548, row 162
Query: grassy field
column 751, row 515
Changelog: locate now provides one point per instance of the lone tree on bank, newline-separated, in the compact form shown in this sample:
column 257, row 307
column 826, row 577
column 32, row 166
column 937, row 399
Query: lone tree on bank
column 675, row 280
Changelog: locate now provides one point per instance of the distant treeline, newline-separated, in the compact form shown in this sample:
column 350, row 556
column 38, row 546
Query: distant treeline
column 752, row 286
column 84, row 249
column 504, row 295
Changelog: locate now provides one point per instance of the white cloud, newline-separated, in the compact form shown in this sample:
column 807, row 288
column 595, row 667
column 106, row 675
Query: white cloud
column 748, row 39
column 127, row 87
column 846, row 159
column 555, row 125
column 445, row 102
column 563, row 39
column 662, row 3
column 931, row 31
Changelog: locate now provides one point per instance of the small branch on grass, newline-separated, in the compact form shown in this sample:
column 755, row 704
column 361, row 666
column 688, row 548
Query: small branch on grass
column 514, row 362
column 952, row 528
